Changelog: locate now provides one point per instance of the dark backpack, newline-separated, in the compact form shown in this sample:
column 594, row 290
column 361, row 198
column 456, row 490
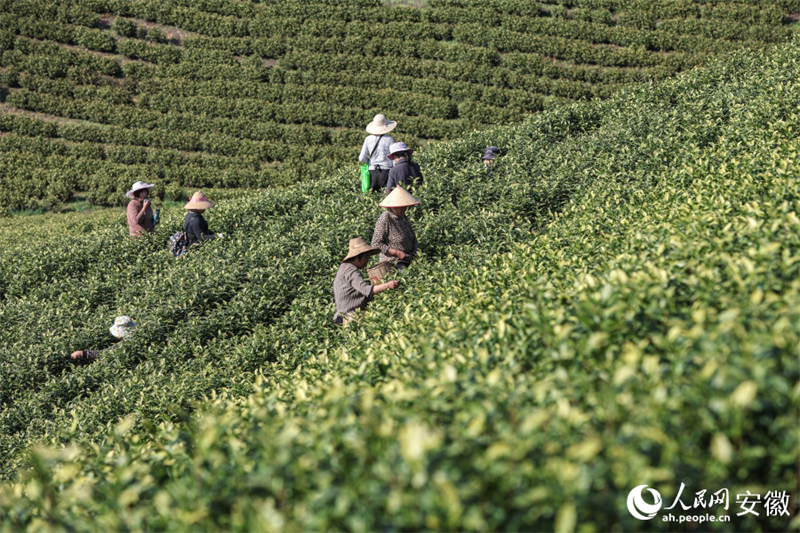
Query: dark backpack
column 177, row 244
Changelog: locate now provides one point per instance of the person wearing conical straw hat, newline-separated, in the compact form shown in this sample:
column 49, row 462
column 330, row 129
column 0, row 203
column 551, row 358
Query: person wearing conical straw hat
column 139, row 212
column 375, row 151
column 393, row 232
column 194, row 225
column 350, row 291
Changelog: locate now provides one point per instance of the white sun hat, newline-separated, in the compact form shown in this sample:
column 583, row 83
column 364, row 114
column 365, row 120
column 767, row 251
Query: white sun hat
column 122, row 327
column 380, row 125
column 395, row 148
column 138, row 186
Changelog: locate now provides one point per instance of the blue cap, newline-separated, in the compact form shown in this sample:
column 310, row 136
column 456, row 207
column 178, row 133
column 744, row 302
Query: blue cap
column 491, row 152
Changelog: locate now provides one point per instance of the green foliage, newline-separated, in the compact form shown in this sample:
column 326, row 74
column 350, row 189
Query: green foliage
column 175, row 192
column 290, row 85
column 615, row 305
column 124, row 27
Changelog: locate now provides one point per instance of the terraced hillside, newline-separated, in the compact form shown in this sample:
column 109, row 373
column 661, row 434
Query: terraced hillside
column 97, row 94
column 617, row 305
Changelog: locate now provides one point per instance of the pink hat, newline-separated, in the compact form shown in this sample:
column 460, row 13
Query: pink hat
column 199, row 201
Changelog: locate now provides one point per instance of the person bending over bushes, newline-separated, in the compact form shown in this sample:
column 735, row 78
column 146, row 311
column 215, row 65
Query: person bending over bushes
column 393, row 234
column 488, row 158
column 121, row 329
column 351, row 292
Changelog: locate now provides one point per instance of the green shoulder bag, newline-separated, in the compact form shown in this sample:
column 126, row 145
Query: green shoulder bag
column 365, row 181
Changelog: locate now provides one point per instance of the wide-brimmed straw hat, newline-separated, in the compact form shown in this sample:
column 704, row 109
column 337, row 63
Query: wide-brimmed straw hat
column 399, row 197
column 359, row 246
column 199, row 201
column 138, row 186
column 396, row 148
column 122, row 326
column 380, row 125
column 491, row 152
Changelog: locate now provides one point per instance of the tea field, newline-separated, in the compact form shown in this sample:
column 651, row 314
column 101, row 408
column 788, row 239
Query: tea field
column 97, row 94
column 617, row 304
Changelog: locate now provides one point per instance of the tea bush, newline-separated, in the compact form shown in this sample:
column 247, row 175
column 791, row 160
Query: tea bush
column 616, row 304
column 290, row 85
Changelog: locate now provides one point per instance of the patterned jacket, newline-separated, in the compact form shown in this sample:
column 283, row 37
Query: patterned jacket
column 392, row 231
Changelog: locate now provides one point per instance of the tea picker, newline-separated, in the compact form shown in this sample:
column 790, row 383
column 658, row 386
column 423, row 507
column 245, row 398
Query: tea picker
column 195, row 228
column 405, row 172
column 393, row 233
column 488, row 158
column 121, row 329
column 139, row 211
column 351, row 293
column 374, row 156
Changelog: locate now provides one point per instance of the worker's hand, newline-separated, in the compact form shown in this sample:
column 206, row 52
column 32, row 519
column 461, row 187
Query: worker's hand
column 393, row 284
column 77, row 354
column 399, row 254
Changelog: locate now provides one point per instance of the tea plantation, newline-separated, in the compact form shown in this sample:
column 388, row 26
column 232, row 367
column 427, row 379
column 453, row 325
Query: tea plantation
column 618, row 304
column 97, row 94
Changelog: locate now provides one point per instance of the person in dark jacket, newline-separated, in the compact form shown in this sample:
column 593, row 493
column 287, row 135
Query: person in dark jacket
column 194, row 225
column 405, row 172
column 488, row 157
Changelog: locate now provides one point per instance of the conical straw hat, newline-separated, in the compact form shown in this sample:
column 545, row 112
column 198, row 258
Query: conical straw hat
column 199, row 201
column 399, row 197
column 358, row 246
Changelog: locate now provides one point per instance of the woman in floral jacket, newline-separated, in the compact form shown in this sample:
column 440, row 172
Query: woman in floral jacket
column 393, row 234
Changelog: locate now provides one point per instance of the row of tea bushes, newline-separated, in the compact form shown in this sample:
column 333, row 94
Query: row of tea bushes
column 617, row 304
column 441, row 71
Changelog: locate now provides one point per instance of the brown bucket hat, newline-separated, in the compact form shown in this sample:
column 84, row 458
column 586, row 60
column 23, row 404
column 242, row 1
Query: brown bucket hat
column 359, row 246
